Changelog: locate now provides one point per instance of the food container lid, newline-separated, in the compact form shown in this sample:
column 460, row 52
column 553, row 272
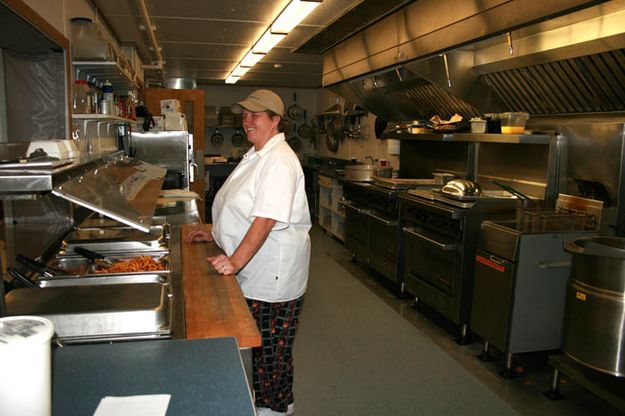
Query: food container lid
column 516, row 115
column 124, row 189
column 602, row 246
column 21, row 330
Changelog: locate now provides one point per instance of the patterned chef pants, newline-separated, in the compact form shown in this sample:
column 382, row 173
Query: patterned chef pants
column 273, row 361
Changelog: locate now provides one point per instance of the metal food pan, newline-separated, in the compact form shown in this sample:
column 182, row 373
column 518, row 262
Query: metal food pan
column 78, row 266
column 104, row 279
column 111, row 240
column 106, row 312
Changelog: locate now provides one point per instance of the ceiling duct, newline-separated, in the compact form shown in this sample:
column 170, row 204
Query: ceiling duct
column 181, row 83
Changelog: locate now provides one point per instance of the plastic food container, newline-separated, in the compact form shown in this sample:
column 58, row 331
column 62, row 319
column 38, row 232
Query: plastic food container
column 478, row 125
column 513, row 123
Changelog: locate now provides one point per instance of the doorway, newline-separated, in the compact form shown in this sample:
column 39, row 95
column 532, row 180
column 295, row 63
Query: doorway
column 192, row 105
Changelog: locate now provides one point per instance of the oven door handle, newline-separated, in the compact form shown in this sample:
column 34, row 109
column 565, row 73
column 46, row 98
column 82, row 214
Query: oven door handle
column 388, row 223
column 442, row 246
column 351, row 205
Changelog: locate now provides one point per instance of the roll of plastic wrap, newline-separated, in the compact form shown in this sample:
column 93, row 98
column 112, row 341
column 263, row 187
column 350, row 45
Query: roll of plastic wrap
column 25, row 385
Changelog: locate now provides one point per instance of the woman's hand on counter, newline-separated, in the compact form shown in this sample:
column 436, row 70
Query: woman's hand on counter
column 197, row 236
column 222, row 264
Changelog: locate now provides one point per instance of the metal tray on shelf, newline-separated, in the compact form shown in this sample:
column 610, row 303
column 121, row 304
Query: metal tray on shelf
column 112, row 240
column 98, row 313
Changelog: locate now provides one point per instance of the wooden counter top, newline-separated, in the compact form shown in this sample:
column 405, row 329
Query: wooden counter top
column 214, row 305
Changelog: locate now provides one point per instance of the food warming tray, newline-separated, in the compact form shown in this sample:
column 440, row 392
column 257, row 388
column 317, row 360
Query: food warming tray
column 111, row 240
column 105, row 313
column 77, row 266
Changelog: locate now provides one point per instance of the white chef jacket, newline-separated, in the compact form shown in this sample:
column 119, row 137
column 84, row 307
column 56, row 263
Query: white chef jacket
column 270, row 184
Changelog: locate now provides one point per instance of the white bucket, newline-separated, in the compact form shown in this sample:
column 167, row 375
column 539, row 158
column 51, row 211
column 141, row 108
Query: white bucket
column 25, row 384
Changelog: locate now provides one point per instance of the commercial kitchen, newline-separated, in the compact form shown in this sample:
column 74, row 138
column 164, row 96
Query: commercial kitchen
column 465, row 175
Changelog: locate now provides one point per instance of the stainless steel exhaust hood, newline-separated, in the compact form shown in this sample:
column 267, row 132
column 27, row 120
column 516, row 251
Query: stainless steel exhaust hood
column 570, row 64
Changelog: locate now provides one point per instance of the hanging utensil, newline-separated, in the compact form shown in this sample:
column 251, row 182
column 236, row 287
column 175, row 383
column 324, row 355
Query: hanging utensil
column 217, row 139
column 237, row 139
column 447, row 70
column 305, row 131
column 295, row 112
column 510, row 48
column 380, row 126
column 295, row 143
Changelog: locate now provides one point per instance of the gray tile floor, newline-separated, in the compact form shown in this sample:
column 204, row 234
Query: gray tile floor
column 361, row 350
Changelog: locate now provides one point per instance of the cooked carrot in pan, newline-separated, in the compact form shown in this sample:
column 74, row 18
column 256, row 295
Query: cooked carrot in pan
column 135, row 264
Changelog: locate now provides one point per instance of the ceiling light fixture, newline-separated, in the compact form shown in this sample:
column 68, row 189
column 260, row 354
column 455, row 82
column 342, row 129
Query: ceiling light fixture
column 286, row 21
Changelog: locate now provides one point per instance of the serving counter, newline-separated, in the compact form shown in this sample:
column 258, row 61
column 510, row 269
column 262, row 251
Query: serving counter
column 214, row 305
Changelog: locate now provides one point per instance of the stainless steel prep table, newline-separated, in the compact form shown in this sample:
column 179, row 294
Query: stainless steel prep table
column 204, row 377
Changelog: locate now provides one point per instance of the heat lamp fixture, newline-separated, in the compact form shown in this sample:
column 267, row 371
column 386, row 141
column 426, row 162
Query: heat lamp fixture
column 286, row 21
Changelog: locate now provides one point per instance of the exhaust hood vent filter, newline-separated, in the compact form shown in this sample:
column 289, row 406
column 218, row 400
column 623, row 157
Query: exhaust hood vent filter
column 587, row 84
column 412, row 99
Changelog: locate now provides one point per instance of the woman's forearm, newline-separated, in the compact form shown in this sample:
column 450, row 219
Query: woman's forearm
column 251, row 243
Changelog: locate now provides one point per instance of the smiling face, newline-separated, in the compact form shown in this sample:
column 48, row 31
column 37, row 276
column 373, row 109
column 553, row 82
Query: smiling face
column 260, row 127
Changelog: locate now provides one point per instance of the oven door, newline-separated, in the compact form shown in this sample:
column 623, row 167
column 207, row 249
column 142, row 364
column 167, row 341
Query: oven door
column 431, row 257
column 383, row 245
column 356, row 230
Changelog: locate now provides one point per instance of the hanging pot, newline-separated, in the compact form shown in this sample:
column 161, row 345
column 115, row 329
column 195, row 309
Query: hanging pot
column 380, row 126
column 332, row 142
column 237, row 139
column 295, row 112
column 295, row 143
column 337, row 127
column 217, row 139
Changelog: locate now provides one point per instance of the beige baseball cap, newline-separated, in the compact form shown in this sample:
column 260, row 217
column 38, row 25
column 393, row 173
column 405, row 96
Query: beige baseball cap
column 260, row 100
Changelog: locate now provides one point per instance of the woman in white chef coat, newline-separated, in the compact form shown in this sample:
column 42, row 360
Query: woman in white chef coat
column 261, row 221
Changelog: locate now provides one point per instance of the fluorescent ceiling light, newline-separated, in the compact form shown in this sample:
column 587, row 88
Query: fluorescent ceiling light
column 288, row 18
column 267, row 42
column 239, row 71
column 292, row 15
column 251, row 58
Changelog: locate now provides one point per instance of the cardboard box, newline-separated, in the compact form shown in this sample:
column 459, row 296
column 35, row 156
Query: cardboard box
column 175, row 121
column 170, row 107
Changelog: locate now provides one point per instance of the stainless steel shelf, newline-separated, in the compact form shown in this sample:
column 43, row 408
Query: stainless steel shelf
column 121, row 78
column 101, row 117
column 19, row 183
column 473, row 137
